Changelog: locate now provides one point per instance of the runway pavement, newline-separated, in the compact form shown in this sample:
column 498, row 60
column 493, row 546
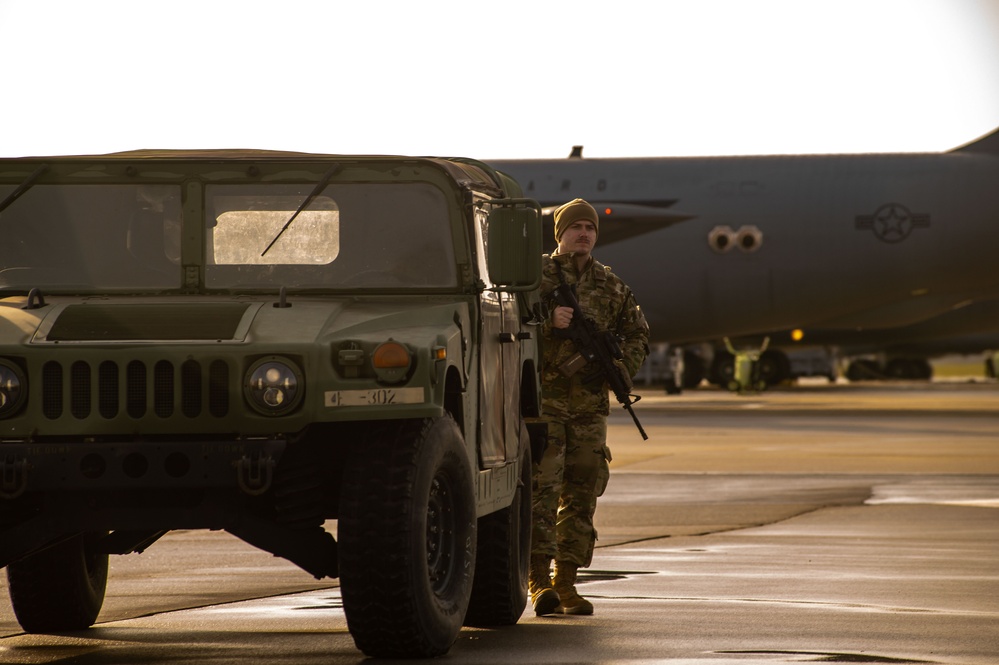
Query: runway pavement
column 825, row 524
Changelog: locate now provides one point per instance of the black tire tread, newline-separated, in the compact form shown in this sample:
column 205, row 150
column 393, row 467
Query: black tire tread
column 56, row 590
column 499, row 594
column 377, row 578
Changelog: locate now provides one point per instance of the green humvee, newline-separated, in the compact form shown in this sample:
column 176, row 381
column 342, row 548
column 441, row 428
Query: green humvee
column 260, row 342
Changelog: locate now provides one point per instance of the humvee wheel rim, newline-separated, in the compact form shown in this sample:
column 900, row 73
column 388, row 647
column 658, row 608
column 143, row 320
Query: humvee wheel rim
column 440, row 533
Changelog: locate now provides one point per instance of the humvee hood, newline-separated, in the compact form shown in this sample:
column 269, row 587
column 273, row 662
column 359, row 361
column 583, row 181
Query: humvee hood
column 301, row 321
column 168, row 321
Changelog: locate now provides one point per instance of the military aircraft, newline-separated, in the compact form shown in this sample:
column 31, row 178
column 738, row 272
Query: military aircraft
column 860, row 249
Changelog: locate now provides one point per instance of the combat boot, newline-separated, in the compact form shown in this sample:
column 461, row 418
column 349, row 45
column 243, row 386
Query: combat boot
column 565, row 586
column 539, row 585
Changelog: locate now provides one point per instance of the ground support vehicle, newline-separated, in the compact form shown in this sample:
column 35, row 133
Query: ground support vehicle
column 262, row 342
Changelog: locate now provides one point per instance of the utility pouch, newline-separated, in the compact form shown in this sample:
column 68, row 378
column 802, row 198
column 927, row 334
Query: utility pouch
column 572, row 365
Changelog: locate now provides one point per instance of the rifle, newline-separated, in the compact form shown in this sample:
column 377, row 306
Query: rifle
column 601, row 347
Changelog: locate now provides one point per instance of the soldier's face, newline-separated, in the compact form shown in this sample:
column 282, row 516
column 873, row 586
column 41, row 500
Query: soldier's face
column 579, row 238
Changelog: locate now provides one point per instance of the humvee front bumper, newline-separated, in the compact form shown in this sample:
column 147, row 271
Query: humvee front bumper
column 108, row 466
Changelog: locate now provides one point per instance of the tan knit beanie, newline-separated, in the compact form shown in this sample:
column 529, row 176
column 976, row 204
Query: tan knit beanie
column 573, row 211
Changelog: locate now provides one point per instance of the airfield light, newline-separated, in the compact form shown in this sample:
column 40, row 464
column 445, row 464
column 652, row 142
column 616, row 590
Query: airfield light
column 797, row 334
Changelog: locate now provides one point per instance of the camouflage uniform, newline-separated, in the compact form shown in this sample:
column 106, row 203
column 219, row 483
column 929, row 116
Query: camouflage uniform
column 574, row 469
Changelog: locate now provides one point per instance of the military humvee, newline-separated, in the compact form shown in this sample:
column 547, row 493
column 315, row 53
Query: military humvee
column 262, row 342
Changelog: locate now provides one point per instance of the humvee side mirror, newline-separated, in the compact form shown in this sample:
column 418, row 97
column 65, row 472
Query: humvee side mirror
column 514, row 245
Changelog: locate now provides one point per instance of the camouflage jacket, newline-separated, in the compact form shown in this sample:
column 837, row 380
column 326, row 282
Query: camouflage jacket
column 608, row 301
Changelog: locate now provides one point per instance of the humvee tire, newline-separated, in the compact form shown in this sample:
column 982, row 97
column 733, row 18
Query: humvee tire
column 503, row 556
column 407, row 539
column 60, row 588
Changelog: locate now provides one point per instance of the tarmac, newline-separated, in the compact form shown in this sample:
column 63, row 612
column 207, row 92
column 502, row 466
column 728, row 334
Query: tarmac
column 827, row 523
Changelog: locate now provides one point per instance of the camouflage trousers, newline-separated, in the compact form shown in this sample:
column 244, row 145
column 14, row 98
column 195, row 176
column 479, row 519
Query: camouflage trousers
column 567, row 481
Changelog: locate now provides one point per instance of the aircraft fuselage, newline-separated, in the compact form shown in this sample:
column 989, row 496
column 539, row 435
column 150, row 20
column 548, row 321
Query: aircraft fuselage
column 779, row 242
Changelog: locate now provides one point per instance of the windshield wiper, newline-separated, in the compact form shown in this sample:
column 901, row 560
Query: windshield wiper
column 23, row 187
column 305, row 204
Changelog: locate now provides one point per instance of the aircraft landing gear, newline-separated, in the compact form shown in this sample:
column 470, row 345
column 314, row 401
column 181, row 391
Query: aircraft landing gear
column 746, row 368
column 912, row 369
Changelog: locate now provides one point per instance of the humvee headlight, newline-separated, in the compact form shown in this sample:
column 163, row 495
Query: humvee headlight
column 12, row 389
column 273, row 386
column 391, row 361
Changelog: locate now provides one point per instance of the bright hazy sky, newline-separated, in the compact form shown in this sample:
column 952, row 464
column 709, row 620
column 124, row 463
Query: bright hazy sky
column 498, row 78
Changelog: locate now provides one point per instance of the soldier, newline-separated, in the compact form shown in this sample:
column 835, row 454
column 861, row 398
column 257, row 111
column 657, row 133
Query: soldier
column 574, row 469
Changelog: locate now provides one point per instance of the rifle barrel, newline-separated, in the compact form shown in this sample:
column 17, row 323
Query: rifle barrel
column 645, row 437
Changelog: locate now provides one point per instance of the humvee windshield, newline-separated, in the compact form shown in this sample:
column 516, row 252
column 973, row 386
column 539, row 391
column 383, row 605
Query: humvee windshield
column 129, row 237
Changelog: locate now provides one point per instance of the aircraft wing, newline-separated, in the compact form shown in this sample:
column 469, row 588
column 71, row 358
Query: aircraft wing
column 621, row 221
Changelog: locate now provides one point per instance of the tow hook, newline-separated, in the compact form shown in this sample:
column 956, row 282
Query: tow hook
column 13, row 477
column 255, row 474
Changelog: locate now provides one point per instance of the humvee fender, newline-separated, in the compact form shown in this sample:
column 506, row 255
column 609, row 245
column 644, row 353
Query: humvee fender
column 260, row 343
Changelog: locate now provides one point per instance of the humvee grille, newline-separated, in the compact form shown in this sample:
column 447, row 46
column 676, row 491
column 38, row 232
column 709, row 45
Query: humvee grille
column 165, row 391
